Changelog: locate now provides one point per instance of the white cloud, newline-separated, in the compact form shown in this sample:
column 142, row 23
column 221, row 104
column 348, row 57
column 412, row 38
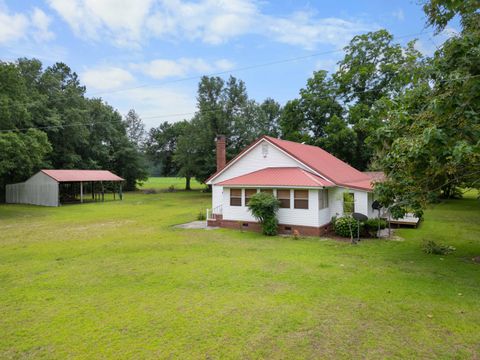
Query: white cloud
column 152, row 104
column 106, row 78
column 305, row 30
column 12, row 26
column 19, row 26
column 399, row 15
column 129, row 23
column 211, row 21
column 163, row 68
column 121, row 20
column 41, row 23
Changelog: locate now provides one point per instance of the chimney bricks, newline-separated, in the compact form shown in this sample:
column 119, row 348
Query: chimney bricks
column 221, row 152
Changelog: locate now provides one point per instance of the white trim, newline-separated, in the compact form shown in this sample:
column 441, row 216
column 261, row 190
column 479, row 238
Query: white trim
column 209, row 182
column 276, row 187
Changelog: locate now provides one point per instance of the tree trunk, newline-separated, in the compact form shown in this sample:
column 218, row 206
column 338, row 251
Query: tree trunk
column 187, row 183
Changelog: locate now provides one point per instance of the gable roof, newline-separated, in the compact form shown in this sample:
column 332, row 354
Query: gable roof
column 317, row 159
column 278, row 176
column 81, row 175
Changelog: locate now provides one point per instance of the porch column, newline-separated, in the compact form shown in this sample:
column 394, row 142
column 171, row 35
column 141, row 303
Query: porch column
column 120, row 192
column 81, row 191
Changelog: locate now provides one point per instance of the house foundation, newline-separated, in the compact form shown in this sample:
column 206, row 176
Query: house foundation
column 282, row 228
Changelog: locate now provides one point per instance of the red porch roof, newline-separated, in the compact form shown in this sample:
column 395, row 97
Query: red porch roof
column 82, row 175
column 278, row 176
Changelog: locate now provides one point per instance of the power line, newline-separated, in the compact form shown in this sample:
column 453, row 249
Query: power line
column 206, row 111
column 245, row 68
column 188, row 113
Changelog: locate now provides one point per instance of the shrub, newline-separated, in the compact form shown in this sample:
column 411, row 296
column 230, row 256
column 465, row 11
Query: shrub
column 201, row 215
column 431, row 247
column 171, row 188
column 371, row 226
column 264, row 207
column 346, row 226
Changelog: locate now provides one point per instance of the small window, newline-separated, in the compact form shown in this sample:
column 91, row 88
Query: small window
column 235, row 197
column 322, row 199
column 284, row 198
column 300, row 199
column 348, row 203
column 248, row 194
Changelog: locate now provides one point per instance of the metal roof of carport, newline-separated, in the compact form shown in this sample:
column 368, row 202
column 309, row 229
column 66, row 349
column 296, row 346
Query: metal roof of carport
column 81, row 175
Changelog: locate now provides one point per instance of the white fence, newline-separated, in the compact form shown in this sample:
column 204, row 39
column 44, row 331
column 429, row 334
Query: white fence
column 35, row 194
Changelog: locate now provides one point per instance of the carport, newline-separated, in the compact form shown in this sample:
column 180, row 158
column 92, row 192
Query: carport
column 56, row 187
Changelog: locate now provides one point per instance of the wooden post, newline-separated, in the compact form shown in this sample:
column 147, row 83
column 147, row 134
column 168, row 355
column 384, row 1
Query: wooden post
column 81, row 192
column 93, row 191
column 103, row 191
column 114, row 191
column 120, row 192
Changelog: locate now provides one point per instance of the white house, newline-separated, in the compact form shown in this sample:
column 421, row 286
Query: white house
column 311, row 184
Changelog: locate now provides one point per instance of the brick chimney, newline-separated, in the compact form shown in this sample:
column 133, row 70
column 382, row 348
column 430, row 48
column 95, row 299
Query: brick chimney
column 221, row 152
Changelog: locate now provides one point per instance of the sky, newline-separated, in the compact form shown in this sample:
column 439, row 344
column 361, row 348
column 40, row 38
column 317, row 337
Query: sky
column 149, row 54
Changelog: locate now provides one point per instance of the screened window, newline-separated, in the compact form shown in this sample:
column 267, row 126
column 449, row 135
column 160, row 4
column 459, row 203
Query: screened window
column 300, row 199
column 284, row 198
column 322, row 199
column 348, row 203
column 248, row 194
column 235, row 197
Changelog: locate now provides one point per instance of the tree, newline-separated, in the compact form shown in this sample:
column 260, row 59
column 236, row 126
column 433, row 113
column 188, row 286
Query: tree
column 45, row 112
column 21, row 154
column 373, row 68
column 186, row 156
column 264, row 208
column 161, row 145
column 431, row 142
column 440, row 12
column 135, row 129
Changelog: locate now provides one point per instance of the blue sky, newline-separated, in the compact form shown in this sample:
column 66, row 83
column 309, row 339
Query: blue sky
column 143, row 54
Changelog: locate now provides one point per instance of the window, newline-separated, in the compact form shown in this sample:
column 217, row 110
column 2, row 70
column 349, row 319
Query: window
column 235, row 197
column 322, row 199
column 284, row 198
column 268, row 191
column 348, row 203
column 300, row 199
column 248, row 194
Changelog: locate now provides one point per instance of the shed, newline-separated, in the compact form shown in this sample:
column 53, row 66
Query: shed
column 56, row 187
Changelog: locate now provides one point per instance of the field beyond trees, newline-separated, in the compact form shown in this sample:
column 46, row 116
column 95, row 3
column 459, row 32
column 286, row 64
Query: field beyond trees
column 116, row 280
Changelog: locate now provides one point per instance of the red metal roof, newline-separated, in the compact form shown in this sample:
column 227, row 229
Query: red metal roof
column 319, row 160
column 82, row 175
column 278, row 176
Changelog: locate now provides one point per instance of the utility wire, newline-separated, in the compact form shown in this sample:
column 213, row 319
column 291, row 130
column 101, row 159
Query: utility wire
column 250, row 67
column 191, row 113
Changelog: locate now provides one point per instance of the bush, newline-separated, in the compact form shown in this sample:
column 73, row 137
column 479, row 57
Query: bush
column 431, row 247
column 371, row 226
column 201, row 215
column 264, row 207
column 346, row 226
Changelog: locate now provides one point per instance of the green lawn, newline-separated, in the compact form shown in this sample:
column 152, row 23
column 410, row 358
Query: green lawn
column 163, row 183
column 115, row 280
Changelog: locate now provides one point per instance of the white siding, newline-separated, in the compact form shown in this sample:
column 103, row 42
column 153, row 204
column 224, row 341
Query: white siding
column 305, row 217
column 362, row 204
column 40, row 189
column 217, row 196
column 255, row 160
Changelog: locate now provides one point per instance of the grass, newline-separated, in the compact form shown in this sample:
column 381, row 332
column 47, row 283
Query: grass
column 163, row 183
column 115, row 280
